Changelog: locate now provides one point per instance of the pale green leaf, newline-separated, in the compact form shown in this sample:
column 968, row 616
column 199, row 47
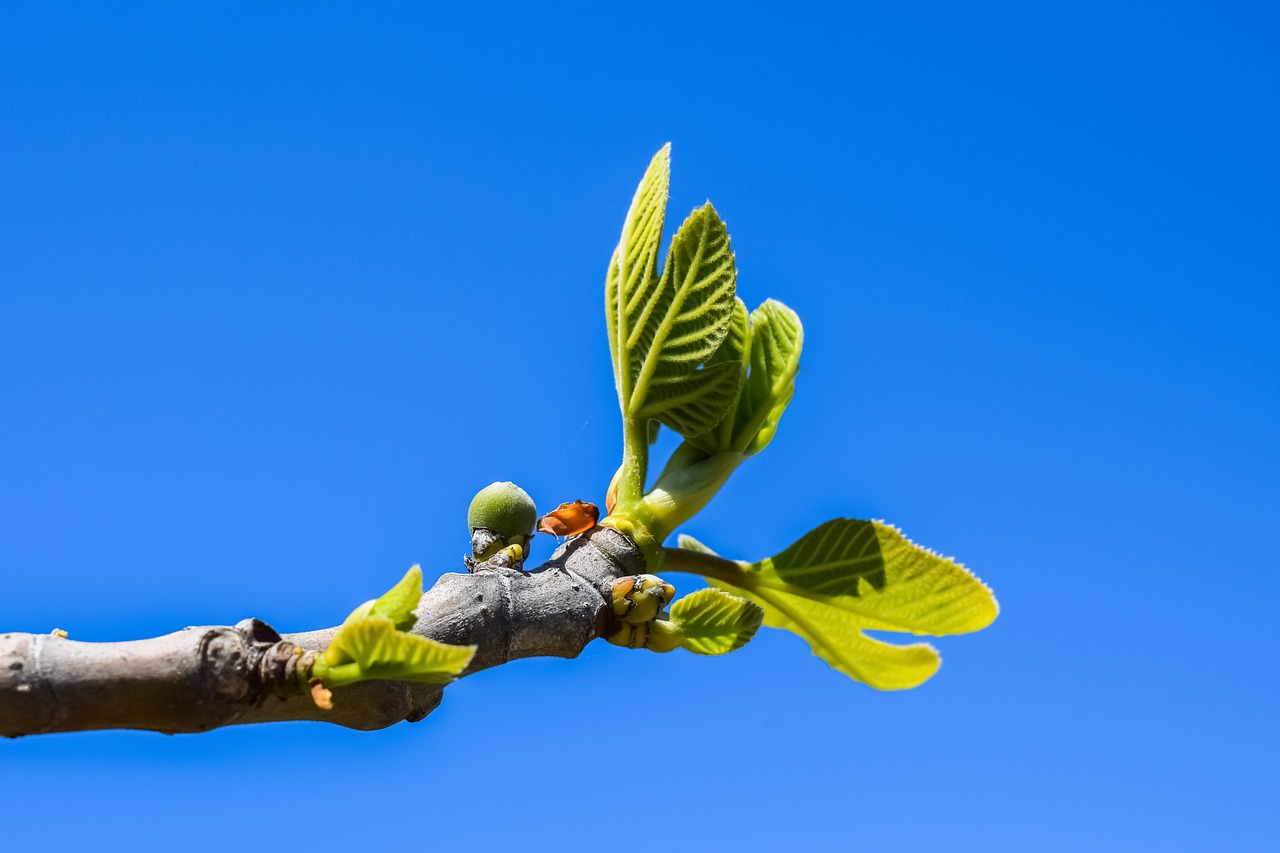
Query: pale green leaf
column 665, row 332
column 394, row 607
column 833, row 559
column 714, row 622
column 848, row 576
column 766, row 344
column 870, row 569
column 631, row 285
column 736, row 350
column 399, row 602
column 776, row 340
column 383, row 653
column 835, row 635
column 690, row 315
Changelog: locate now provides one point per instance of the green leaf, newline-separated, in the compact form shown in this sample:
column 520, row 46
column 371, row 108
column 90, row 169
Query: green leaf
column 848, row 576
column 834, row 559
column 735, row 350
column 766, row 346
column 695, row 403
column 662, row 330
column 714, row 622
column 690, row 313
column 776, row 340
column 835, row 636
column 380, row 652
column 372, row 644
column 887, row 581
column 399, row 602
column 632, row 281
column 763, row 350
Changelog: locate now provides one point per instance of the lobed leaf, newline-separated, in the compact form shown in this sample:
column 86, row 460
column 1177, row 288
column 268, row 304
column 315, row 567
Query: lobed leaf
column 888, row 581
column 835, row 635
column 848, row 576
column 833, row 559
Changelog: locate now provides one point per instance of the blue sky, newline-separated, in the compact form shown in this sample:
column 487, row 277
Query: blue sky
column 281, row 287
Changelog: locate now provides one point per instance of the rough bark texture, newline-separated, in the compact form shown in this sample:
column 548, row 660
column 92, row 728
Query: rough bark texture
column 200, row 678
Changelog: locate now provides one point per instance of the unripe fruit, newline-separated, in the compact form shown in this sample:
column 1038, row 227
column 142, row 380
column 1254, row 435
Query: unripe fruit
column 504, row 508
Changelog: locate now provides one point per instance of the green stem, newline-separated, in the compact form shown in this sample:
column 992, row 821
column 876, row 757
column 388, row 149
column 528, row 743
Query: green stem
column 635, row 462
column 690, row 479
column 707, row 565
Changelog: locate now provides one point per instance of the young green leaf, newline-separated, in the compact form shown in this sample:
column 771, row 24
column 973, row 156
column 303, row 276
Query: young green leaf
column 766, row 345
column 399, row 602
column 887, row 581
column 848, row 576
column 833, row 559
column 763, row 349
column 396, row 604
column 835, row 636
column 678, row 326
column 714, row 622
column 663, row 329
column 735, row 350
column 690, row 316
column 632, row 281
column 379, row 652
column 372, row 643
column 695, row 403
column 776, row 340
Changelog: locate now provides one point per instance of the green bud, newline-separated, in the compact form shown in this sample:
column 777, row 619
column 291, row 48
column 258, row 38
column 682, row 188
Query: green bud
column 640, row 598
column 659, row 635
column 504, row 508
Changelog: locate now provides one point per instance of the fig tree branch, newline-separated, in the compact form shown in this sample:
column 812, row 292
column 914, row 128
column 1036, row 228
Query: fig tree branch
column 202, row 678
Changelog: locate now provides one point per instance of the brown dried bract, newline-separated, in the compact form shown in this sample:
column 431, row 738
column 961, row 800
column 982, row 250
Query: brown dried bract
column 570, row 519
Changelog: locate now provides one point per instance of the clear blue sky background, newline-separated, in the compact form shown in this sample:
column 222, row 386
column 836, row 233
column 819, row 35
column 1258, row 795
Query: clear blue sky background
column 281, row 285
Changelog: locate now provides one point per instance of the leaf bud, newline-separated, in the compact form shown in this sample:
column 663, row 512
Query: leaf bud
column 640, row 598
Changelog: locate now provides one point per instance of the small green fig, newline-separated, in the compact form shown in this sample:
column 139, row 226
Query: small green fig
column 501, row 519
column 504, row 508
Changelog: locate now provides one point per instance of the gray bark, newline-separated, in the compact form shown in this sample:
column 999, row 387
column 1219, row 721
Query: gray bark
column 201, row 678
